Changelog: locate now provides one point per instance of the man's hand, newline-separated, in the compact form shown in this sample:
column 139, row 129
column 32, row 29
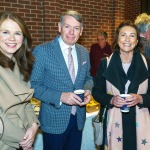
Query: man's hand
column 70, row 98
column 87, row 97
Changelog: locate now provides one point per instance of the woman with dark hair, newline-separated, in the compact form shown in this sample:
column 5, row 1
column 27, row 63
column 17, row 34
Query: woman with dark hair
column 18, row 122
column 126, row 71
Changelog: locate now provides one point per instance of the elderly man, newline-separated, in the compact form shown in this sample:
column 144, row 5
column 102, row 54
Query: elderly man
column 143, row 24
column 99, row 50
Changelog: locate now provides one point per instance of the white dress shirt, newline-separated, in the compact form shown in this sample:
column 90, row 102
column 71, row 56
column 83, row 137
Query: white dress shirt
column 64, row 48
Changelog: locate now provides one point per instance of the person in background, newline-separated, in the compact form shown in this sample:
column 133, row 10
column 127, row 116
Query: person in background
column 98, row 51
column 143, row 24
column 126, row 71
column 19, row 123
column 62, row 66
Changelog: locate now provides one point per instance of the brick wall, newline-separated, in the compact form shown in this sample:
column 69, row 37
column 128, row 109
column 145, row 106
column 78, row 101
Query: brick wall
column 42, row 16
column 31, row 12
column 96, row 15
column 133, row 9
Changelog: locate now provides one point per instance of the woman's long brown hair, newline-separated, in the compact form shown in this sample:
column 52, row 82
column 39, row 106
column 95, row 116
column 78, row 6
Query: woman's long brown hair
column 23, row 55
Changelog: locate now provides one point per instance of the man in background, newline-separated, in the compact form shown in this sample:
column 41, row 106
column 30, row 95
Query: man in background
column 62, row 66
column 99, row 50
column 143, row 24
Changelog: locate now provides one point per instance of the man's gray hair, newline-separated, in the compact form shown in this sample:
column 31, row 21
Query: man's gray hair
column 103, row 33
column 72, row 13
column 142, row 22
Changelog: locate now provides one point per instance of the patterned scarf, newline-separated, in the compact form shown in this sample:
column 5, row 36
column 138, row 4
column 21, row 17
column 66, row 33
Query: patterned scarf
column 114, row 120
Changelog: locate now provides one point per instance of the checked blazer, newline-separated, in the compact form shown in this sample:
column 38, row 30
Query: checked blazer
column 50, row 77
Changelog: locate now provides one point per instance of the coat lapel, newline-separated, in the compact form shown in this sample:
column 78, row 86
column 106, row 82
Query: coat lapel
column 16, row 86
column 115, row 74
column 140, row 73
column 13, row 88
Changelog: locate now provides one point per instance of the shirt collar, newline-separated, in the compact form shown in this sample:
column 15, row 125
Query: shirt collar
column 63, row 45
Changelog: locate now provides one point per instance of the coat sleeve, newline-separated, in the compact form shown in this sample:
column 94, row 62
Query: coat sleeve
column 30, row 114
column 10, row 130
column 146, row 97
column 99, row 90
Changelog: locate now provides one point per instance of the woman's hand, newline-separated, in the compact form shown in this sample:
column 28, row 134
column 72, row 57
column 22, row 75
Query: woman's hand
column 29, row 137
column 132, row 100
column 117, row 101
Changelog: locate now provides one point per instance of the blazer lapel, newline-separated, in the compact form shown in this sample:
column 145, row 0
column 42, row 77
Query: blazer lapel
column 60, row 59
column 79, row 58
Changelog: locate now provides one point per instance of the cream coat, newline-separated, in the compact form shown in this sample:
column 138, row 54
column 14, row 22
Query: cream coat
column 16, row 112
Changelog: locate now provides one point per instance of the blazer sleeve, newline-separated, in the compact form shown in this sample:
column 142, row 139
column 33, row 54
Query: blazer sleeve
column 89, row 81
column 92, row 61
column 42, row 92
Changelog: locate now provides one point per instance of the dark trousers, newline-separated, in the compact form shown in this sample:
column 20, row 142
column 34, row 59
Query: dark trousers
column 69, row 140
